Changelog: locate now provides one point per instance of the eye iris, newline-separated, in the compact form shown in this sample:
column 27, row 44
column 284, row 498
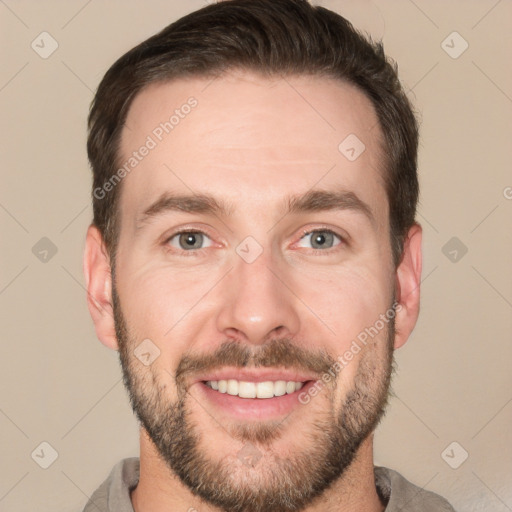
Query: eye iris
column 191, row 240
column 322, row 239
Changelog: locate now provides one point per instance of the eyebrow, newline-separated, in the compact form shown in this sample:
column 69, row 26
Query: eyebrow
column 325, row 200
column 192, row 203
column 311, row 201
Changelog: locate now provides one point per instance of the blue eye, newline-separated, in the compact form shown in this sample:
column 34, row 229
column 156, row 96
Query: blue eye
column 190, row 240
column 320, row 239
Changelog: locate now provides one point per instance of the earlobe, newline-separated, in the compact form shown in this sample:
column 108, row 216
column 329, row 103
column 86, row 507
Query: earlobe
column 98, row 282
column 408, row 279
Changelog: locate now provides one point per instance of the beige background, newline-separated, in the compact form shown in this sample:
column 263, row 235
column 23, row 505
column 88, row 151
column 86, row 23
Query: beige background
column 61, row 386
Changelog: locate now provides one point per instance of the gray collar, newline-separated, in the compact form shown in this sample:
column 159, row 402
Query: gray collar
column 399, row 494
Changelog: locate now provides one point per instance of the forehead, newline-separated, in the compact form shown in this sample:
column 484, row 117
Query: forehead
column 251, row 140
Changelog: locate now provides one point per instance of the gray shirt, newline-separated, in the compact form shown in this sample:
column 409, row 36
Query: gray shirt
column 113, row 495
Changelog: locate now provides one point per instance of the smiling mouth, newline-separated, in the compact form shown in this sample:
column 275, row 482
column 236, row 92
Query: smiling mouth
column 263, row 390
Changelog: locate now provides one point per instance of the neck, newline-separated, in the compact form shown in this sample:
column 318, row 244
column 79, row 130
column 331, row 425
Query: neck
column 159, row 489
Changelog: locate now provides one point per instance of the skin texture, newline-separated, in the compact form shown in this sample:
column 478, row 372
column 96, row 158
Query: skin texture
column 253, row 142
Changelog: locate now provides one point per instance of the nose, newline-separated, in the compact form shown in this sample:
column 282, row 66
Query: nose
column 257, row 303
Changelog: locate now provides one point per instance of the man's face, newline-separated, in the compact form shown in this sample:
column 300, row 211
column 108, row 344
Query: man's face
column 260, row 294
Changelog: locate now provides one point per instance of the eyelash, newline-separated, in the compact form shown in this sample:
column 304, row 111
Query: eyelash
column 198, row 252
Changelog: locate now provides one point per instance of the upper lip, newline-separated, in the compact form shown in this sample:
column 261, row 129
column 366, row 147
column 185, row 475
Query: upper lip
column 257, row 375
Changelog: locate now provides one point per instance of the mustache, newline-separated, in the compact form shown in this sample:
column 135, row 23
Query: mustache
column 274, row 354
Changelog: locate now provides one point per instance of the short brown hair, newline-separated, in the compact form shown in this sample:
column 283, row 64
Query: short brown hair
column 273, row 38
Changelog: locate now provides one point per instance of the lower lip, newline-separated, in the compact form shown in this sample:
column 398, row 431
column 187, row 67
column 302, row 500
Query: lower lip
column 253, row 408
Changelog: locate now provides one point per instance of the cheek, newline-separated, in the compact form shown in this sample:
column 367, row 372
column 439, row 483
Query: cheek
column 152, row 295
column 348, row 300
column 158, row 303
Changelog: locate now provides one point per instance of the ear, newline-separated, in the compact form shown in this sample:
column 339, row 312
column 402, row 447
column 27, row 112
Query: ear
column 98, row 281
column 408, row 279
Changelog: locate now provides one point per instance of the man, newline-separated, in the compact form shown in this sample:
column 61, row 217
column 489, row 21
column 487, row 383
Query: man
column 255, row 259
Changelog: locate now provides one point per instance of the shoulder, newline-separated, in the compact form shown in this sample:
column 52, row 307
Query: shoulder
column 114, row 493
column 404, row 496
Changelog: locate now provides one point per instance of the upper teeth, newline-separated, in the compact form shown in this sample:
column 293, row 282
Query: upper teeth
column 244, row 389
